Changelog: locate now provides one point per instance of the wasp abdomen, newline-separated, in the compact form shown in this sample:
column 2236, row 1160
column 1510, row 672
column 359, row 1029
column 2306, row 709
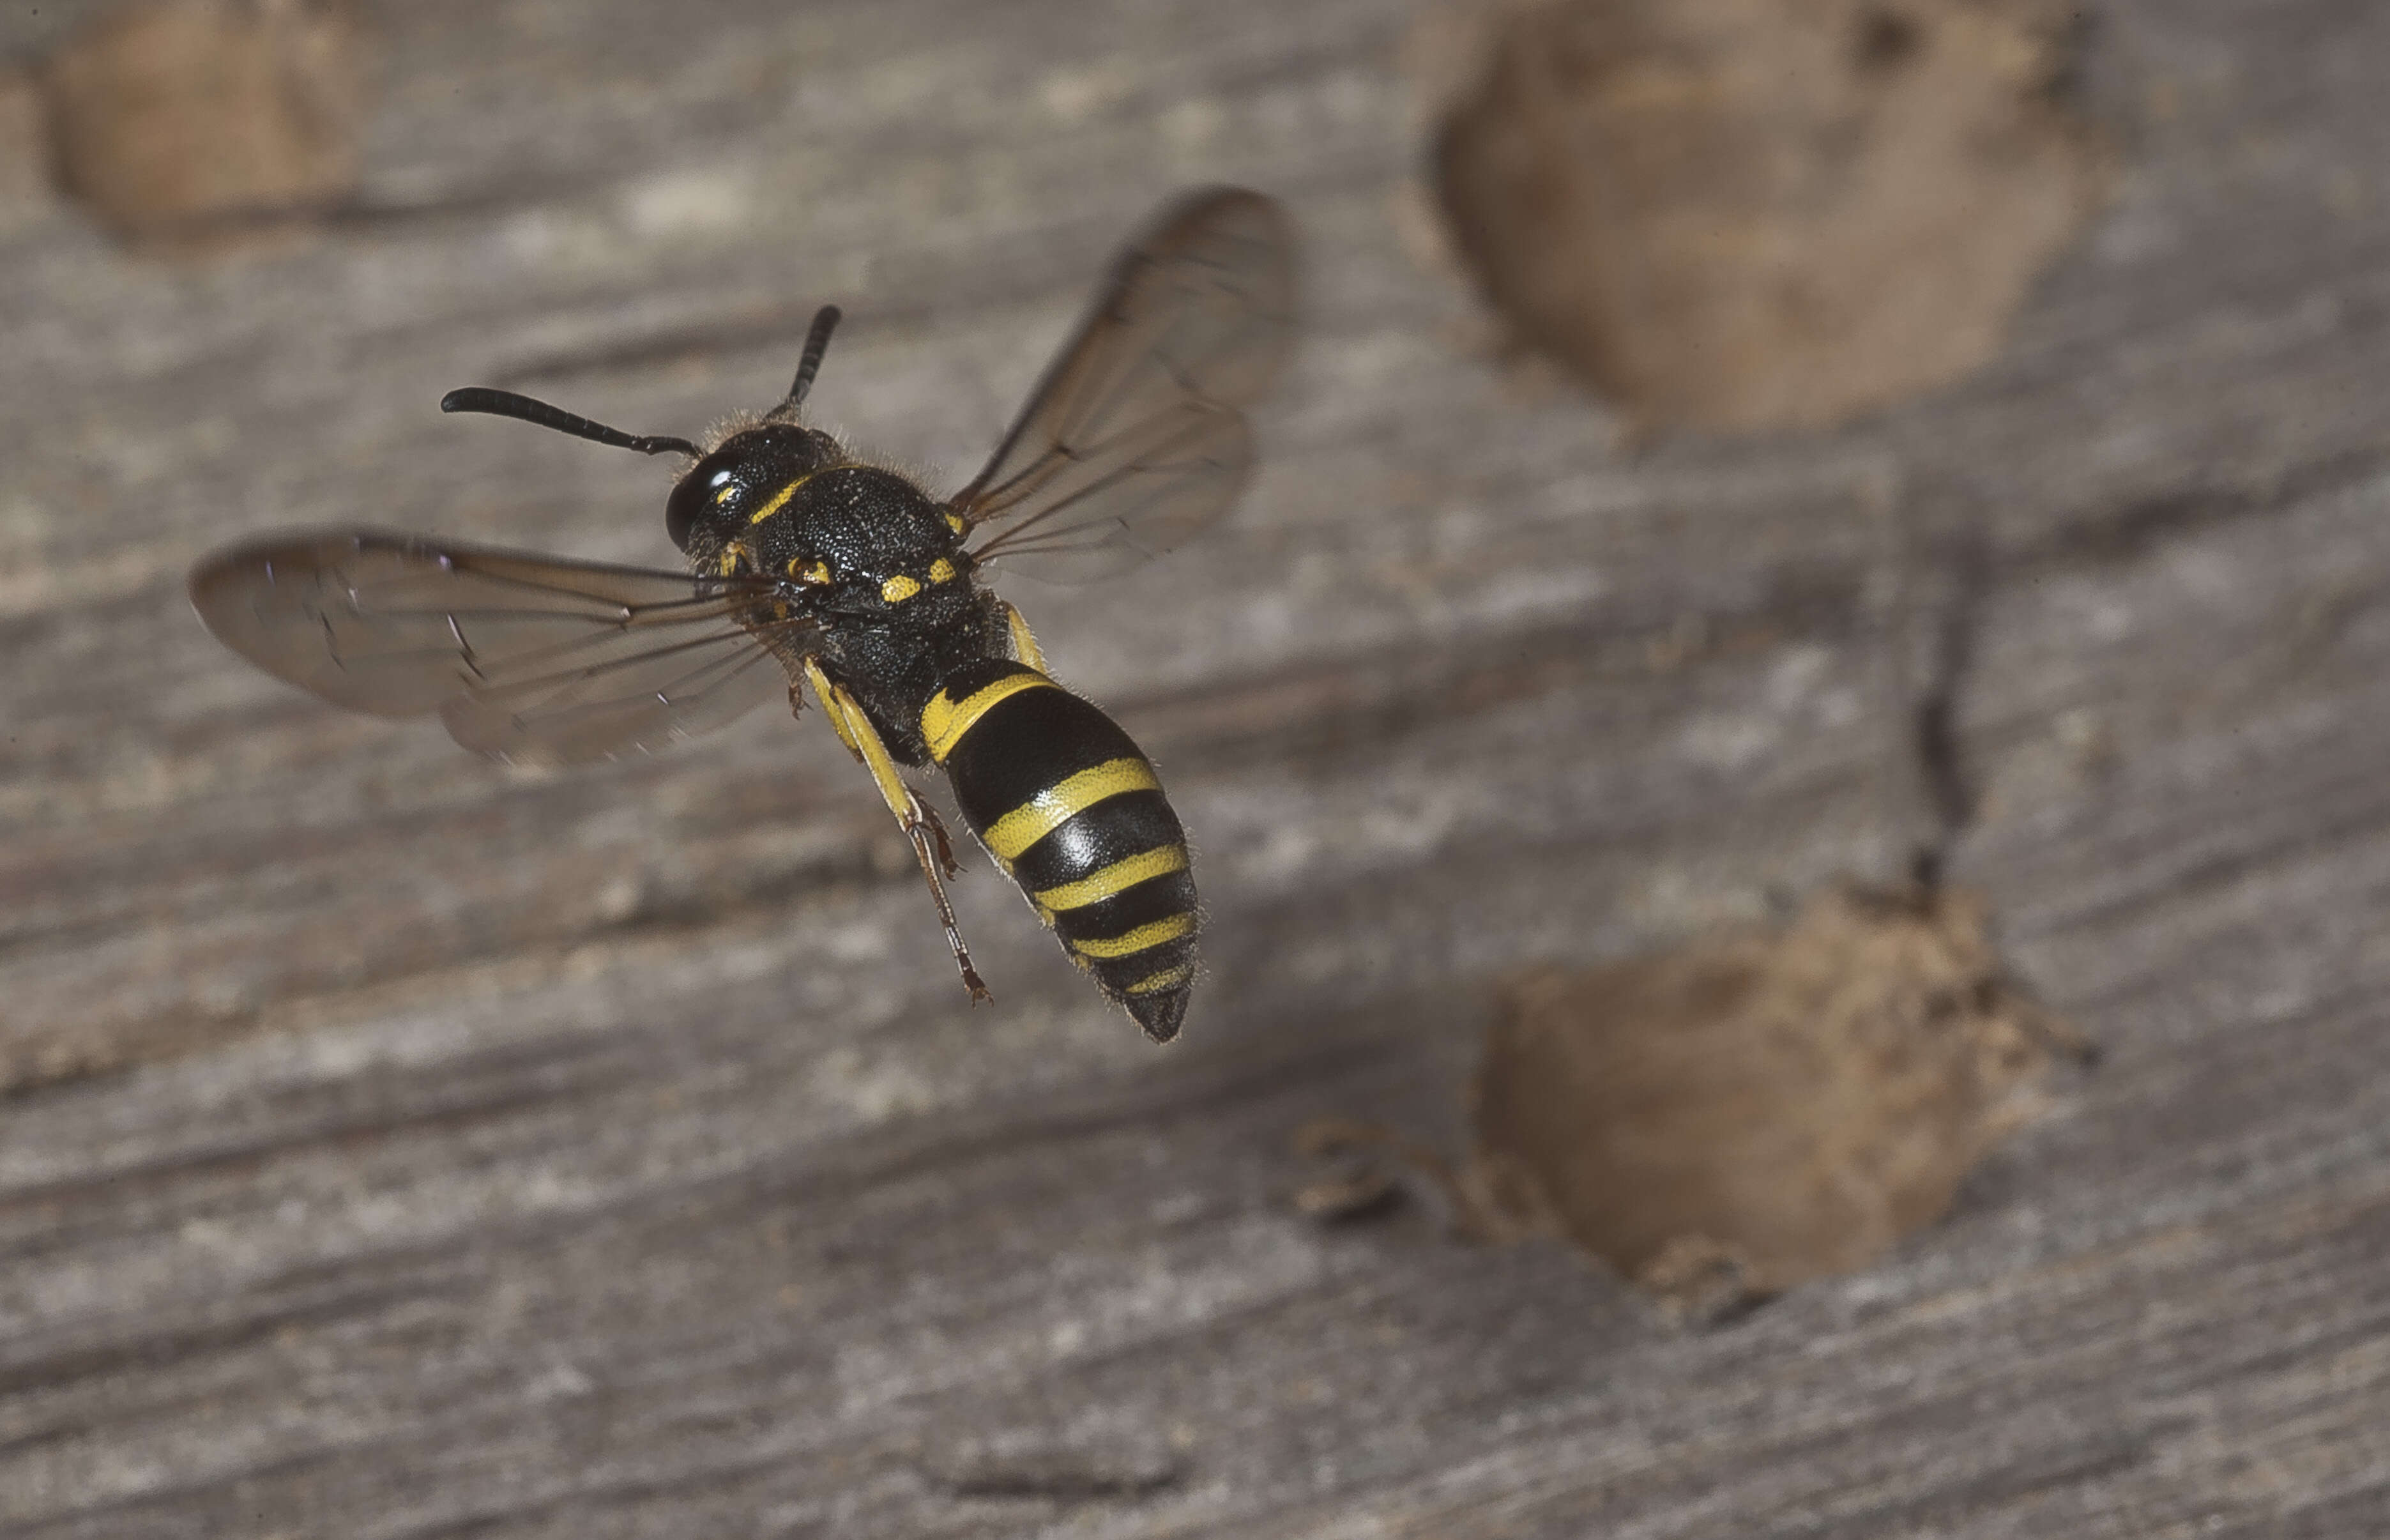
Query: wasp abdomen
column 1064, row 801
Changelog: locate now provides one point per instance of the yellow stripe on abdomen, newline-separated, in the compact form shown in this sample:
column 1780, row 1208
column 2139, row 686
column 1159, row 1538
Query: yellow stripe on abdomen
column 1059, row 804
column 1103, row 883
column 1144, row 938
column 1169, row 978
column 944, row 721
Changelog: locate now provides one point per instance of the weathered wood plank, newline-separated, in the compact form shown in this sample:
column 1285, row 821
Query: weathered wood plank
column 401, row 1149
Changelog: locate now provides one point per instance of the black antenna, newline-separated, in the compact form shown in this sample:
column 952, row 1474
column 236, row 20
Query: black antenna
column 506, row 403
column 817, row 343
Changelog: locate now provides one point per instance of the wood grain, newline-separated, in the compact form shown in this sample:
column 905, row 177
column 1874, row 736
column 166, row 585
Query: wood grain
column 396, row 1146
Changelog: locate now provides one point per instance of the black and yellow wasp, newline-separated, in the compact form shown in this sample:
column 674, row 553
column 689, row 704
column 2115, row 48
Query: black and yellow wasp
column 861, row 587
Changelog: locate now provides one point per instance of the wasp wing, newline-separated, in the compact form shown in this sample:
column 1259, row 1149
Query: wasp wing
column 525, row 658
column 1133, row 440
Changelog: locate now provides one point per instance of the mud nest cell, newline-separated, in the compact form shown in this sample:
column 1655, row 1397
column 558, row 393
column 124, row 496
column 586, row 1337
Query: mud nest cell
column 1759, row 214
column 1749, row 1112
column 179, row 119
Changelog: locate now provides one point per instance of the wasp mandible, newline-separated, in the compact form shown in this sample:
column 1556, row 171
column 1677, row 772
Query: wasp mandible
column 862, row 588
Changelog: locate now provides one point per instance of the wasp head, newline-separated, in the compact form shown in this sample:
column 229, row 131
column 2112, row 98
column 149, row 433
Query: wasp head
column 742, row 482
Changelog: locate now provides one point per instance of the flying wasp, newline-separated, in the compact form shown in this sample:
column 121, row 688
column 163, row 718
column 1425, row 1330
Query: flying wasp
column 861, row 588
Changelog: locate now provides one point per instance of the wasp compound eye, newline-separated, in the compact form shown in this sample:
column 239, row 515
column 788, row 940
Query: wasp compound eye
column 708, row 494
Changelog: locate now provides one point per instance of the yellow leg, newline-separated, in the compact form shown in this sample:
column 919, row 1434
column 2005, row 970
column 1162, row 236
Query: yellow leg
column 914, row 816
column 1024, row 646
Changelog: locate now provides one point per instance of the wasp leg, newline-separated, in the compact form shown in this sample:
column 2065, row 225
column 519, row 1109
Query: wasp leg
column 938, row 833
column 1024, row 646
column 920, row 824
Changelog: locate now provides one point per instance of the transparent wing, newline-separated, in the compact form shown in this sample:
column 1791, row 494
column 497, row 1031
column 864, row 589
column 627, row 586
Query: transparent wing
column 525, row 658
column 1133, row 440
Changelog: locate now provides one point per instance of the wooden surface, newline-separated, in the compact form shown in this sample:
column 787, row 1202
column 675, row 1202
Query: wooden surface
column 398, row 1147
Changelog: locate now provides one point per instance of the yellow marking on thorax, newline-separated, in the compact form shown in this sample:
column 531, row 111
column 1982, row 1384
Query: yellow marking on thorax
column 941, row 570
column 944, row 721
column 1143, row 939
column 1059, row 804
column 954, row 522
column 733, row 556
column 780, row 498
column 897, row 590
column 1118, row 878
column 1157, row 984
column 805, row 571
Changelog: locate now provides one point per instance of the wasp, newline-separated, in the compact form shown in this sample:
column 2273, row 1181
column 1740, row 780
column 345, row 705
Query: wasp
column 811, row 570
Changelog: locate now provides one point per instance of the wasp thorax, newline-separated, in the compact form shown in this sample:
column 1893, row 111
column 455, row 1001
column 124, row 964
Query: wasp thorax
column 729, row 489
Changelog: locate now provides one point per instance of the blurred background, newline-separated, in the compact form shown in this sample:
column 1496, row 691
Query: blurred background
column 1878, row 502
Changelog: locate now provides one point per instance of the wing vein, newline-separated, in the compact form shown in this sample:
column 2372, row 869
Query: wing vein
column 1134, row 439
